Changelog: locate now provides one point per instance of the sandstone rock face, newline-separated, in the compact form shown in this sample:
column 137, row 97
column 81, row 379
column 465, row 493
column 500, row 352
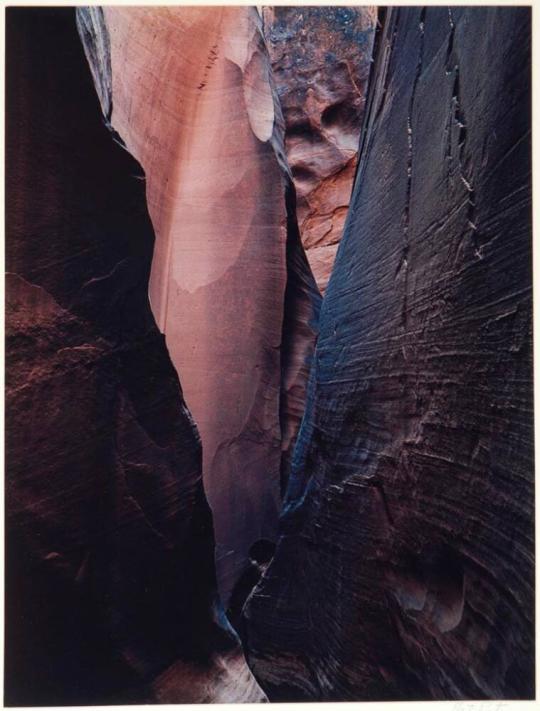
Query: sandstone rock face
column 110, row 580
column 404, row 568
column 321, row 59
column 193, row 99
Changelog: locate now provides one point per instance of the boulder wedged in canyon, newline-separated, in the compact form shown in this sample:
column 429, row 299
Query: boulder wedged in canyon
column 405, row 563
column 110, row 579
column 321, row 58
column 191, row 95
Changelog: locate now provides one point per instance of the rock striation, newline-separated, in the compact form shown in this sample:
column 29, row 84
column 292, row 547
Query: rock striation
column 404, row 567
column 321, row 59
column 110, row 580
column 190, row 92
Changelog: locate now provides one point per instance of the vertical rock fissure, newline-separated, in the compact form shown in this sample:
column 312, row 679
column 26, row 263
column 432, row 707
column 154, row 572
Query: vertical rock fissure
column 403, row 265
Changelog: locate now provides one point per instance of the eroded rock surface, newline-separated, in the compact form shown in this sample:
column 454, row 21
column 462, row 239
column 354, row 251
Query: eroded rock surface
column 193, row 99
column 321, row 60
column 405, row 564
column 110, row 580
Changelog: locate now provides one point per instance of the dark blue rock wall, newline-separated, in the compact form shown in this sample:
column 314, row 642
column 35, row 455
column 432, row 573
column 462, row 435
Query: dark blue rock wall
column 405, row 563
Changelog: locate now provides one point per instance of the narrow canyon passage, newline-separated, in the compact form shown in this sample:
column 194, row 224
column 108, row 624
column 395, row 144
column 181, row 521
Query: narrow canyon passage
column 192, row 96
column 256, row 473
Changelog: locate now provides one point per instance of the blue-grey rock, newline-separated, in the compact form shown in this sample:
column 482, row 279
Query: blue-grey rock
column 404, row 568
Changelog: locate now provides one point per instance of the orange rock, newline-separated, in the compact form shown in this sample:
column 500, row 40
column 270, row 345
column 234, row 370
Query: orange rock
column 321, row 58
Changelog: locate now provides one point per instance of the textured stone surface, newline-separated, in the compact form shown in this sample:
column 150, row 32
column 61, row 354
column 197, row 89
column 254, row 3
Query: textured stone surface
column 192, row 98
column 321, row 59
column 110, row 580
column 405, row 563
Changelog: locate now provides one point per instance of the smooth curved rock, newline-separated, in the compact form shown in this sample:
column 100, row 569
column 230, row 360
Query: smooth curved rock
column 405, row 565
column 110, row 581
column 321, row 60
column 192, row 98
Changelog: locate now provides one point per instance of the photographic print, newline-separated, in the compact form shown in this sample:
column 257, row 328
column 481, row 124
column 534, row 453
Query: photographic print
column 269, row 374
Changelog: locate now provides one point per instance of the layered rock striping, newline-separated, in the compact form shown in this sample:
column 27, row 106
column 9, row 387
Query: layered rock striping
column 405, row 563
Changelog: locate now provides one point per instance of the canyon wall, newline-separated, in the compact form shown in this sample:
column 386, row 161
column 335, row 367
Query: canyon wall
column 404, row 567
column 110, row 581
column 190, row 92
column 321, row 60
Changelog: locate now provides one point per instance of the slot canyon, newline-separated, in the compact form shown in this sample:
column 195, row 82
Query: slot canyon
column 269, row 355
